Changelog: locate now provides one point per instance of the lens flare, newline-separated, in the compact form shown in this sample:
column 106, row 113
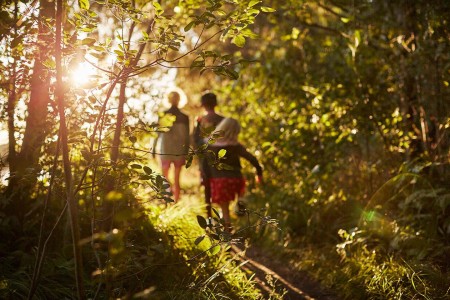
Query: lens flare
column 83, row 74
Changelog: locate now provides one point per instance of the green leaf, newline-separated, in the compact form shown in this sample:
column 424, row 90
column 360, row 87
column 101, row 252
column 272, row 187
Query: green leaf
column 232, row 74
column 132, row 139
column 253, row 3
column 168, row 200
column 239, row 41
column 189, row 26
column 203, row 147
column 214, row 250
column 159, row 180
column 15, row 42
column 49, row 63
column 253, row 11
column 199, row 240
column 197, row 64
column 119, row 53
column 84, row 4
column 202, row 222
column 215, row 236
column 88, row 41
column 158, row 8
column 216, row 212
column 267, row 9
column 147, row 170
column 221, row 153
column 189, row 161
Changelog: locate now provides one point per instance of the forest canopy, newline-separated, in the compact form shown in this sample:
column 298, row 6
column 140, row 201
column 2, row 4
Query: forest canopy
column 344, row 103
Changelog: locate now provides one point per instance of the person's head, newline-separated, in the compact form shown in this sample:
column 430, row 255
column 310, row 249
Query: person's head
column 209, row 100
column 230, row 129
column 173, row 98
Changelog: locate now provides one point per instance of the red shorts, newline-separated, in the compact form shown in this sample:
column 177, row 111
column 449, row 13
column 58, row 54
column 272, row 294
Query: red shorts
column 165, row 163
column 226, row 189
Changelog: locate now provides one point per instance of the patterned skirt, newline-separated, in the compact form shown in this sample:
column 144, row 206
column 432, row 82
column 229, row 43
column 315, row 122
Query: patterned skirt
column 225, row 189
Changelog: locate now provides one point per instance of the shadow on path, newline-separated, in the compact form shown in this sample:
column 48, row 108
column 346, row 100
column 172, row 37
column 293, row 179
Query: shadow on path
column 270, row 274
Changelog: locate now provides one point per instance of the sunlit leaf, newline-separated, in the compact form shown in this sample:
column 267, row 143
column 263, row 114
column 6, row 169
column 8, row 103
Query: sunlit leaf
column 88, row 41
column 239, row 41
column 221, row 153
column 216, row 212
column 199, row 240
column 49, row 63
column 253, row 3
column 84, row 4
column 267, row 9
column 158, row 8
column 214, row 250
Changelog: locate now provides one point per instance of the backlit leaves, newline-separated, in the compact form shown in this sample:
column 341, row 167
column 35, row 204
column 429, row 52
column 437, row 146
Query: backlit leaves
column 84, row 4
column 238, row 40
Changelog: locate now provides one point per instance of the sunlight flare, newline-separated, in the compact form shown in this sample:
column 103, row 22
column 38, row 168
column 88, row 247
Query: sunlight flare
column 82, row 74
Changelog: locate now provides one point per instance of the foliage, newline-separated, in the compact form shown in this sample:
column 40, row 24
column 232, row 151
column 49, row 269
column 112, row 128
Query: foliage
column 215, row 272
column 337, row 109
column 113, row 44
column 344, row 103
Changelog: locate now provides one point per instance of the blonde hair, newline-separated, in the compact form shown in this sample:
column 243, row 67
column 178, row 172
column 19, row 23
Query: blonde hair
column 230, row 129
column 173, row 98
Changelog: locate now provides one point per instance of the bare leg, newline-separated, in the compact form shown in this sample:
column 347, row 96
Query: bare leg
column 226, row 215
column 165, row 171
column 176, row 188
column 205, row 178
column 208, row 198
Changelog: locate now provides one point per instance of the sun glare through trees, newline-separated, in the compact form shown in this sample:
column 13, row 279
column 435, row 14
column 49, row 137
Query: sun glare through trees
column 342, row 104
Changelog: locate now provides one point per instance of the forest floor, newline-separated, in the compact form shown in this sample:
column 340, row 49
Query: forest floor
column 272, row 275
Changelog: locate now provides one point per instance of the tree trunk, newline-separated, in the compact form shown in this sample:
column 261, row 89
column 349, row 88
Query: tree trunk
column 12, row 100
column 108, row 206
column 411, row 109
column 26, row 163
column 70, row 199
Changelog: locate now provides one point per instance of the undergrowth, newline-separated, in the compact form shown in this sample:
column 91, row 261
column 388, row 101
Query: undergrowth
column 215, row 274
column 394, row 247
column 154, row 257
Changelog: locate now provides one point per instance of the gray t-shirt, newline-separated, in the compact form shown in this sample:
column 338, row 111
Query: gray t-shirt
column 174, row 144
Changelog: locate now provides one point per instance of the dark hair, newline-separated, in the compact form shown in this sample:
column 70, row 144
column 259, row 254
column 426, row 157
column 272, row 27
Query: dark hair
column 209, row 100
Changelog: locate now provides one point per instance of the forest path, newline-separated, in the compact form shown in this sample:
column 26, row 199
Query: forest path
column 272, row 276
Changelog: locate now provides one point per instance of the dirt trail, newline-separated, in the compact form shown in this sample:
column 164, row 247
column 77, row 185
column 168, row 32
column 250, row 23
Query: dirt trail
column 297, row 285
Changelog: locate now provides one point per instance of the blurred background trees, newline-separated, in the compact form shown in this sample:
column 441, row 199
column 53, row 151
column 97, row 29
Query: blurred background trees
column 344, row 102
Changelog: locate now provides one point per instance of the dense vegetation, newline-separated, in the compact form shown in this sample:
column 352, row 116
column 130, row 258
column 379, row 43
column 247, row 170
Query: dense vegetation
column 345, row 103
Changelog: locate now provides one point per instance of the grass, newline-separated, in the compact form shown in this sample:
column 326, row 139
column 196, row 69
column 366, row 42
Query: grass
column 365, row 265
column 214, row 276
